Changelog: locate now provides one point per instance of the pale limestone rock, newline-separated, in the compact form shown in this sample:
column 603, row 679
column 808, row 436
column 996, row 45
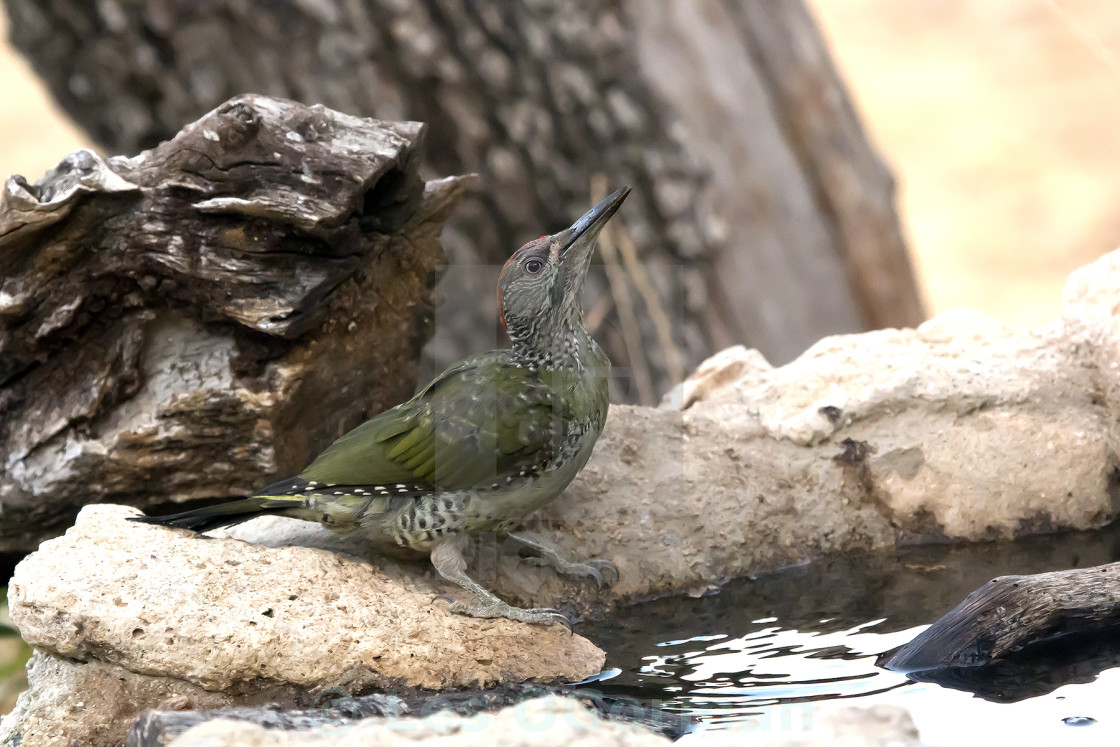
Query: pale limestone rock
column 736, row 365
column 1091, row 318
column 543, row 722
column 820, row 723
column 962, row 429
column 232, row 616
column 93, row 703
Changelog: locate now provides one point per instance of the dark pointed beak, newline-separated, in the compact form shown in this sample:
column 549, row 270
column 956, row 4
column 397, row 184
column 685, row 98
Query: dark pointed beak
column 579, row 239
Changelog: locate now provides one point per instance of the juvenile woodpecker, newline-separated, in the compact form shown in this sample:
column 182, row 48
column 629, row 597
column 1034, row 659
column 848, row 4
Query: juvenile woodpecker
column 492, row 438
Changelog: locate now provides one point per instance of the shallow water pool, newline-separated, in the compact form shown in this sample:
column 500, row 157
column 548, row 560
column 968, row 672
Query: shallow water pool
column 760, row 653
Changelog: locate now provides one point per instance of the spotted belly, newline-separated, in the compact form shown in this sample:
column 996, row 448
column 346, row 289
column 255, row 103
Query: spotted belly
column 412, row 517
column 429, row 519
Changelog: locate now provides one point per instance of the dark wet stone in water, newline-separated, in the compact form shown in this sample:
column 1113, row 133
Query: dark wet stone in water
column 1079, row 721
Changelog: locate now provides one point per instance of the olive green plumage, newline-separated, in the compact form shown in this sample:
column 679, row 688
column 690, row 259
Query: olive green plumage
column 492, row 438
column 482, row 419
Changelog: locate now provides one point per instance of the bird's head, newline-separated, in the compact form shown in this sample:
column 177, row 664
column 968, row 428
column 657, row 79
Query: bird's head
column 540, row 290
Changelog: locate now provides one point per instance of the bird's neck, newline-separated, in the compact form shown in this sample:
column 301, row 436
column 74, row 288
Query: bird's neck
column 565, row 343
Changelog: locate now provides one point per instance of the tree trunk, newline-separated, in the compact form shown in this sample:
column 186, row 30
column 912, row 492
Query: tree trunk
column 193, row 321
column 760, row 213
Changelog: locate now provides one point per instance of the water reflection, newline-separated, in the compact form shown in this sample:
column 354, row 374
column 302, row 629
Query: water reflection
column 1039, row 670
column 813, row 633
column 719, row 679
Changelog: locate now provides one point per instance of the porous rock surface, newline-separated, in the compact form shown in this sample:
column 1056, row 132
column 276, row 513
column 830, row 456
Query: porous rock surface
column 555, row 721
column 222, row 613
column 92, row 703
column 543, row 722
column 236, row 620
column 963, row 429
column 823, row 723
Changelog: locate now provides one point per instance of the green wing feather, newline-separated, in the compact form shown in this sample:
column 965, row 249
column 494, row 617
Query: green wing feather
column 478, row 422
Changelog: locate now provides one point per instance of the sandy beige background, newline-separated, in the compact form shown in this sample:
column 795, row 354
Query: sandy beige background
column 1000, row 118
column 34, row 133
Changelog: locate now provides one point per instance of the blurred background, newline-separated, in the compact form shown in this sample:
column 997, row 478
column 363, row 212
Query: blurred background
column 1000, row 121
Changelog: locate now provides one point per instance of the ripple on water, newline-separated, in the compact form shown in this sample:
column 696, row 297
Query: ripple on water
column 760, row 653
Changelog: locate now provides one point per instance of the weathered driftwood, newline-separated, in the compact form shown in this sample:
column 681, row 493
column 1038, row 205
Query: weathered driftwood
column 199, row 318
column 1038, row 669
column 1011, row 612
column 760, row 211
column 335, row 707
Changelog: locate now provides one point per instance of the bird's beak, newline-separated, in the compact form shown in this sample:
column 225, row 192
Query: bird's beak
column 576, row 242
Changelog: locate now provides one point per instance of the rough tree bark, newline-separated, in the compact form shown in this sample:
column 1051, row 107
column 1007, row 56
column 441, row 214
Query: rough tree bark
column 761, row 214
column 1011, row 612
column 195, row 320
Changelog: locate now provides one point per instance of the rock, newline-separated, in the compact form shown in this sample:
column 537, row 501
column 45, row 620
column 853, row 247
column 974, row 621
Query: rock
column 820, row 723
column 543, row 722
column 92, row 703
column 963, row 429
column 562, row 721
column 877, row 726
column 1091, row 318
column 734, row 368
column 166, row 319
column 156, row 728
column 241, row 619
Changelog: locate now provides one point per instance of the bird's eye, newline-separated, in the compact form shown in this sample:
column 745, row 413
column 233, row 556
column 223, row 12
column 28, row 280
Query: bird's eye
column 533, row 266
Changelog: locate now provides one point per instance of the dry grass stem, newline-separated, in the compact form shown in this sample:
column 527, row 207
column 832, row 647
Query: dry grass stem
column 620, row 290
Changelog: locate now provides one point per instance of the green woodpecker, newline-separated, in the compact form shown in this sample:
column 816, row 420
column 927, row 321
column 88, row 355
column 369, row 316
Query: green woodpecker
column 492, row 438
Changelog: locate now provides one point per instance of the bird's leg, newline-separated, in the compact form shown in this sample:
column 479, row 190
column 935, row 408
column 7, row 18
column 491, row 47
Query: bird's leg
column 599, row 570
column 447, row 557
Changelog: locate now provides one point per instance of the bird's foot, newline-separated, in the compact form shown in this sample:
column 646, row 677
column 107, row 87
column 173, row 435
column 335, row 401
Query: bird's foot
column 602, row 572
column 498, row 608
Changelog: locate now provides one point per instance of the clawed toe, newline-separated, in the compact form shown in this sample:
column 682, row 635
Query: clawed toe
column 534, row 615
column 602, row 572
column 448, row 560
column 608, row 572
column 560, row 619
